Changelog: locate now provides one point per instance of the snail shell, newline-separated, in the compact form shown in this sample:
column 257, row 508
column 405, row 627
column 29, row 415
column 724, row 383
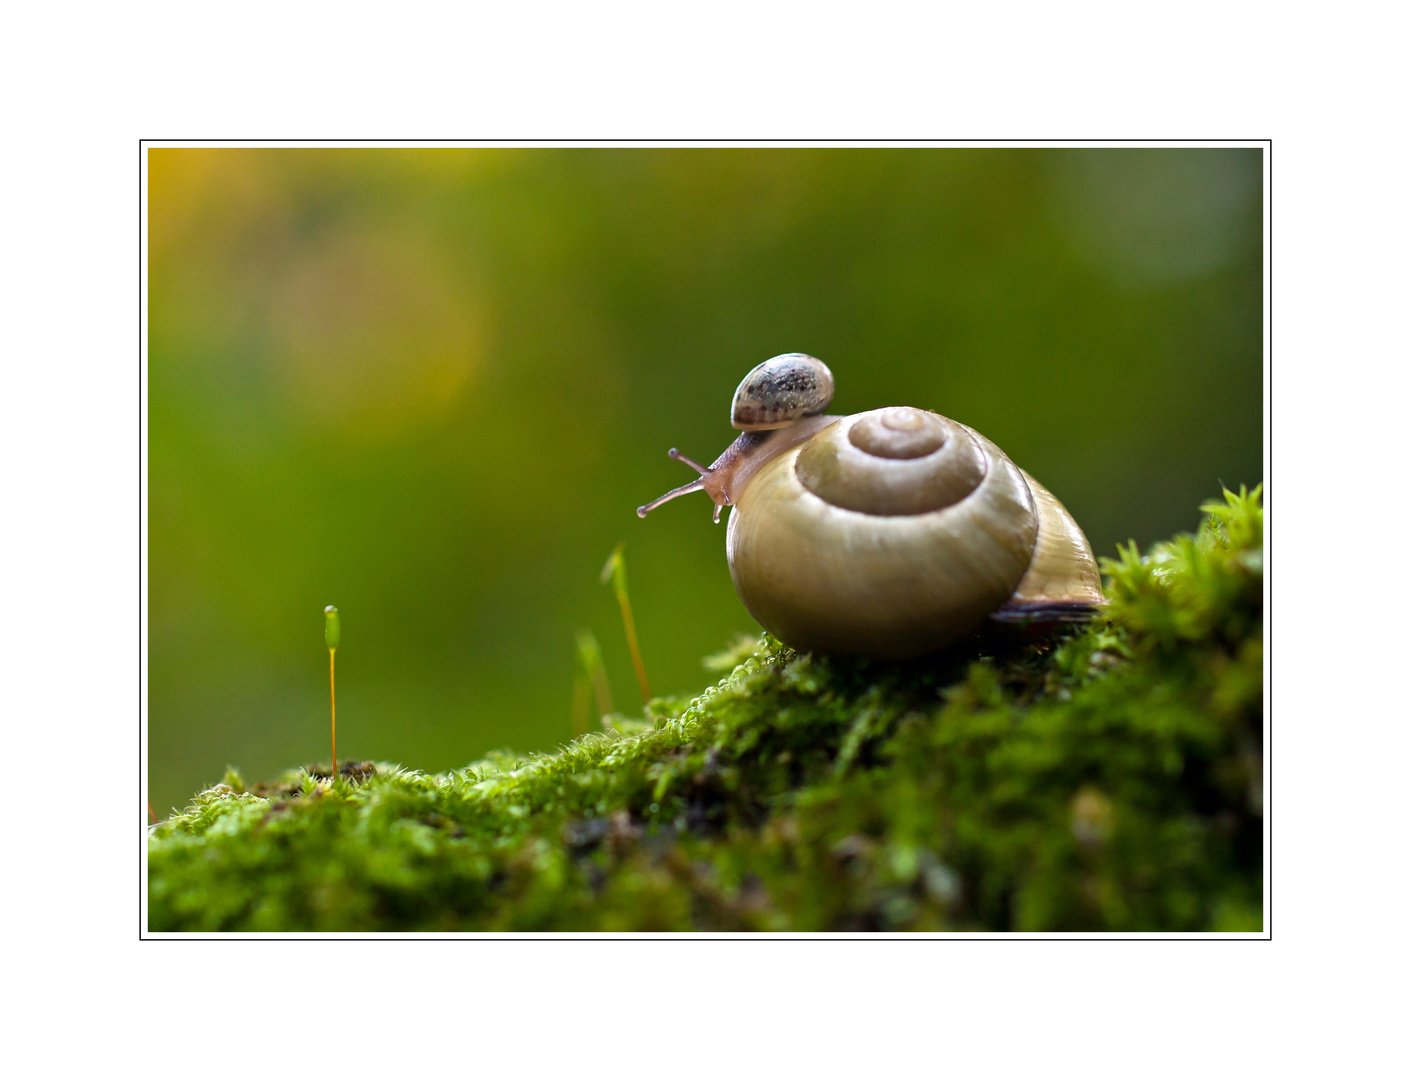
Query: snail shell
column 781, row 391
column 889, row 533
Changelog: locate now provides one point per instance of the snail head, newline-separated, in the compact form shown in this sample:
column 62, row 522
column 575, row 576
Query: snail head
column 776, row 406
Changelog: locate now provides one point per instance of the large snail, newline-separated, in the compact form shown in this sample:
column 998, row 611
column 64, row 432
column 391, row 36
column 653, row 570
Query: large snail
column 888, row 533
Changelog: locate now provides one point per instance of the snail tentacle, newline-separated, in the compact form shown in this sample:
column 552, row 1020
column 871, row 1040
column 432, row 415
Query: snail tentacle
column 684, row 489
column 676, row 455
column 732, row 470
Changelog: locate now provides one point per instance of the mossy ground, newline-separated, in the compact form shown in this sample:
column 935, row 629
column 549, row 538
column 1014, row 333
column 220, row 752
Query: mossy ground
column 1110, row 779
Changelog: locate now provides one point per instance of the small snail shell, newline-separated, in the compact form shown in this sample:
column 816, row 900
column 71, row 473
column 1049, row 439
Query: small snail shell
column 888, row 533
column 781, row 391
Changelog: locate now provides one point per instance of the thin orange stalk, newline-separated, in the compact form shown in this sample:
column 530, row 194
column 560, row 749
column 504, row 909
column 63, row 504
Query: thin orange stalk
column 332, row 635
column 333, row 707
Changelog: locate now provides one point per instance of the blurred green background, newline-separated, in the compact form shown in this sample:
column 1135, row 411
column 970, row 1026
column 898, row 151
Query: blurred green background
column 431, row 386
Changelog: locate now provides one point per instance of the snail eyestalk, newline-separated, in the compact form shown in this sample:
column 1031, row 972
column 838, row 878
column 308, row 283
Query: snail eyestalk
column 684, row 489
column 731, row 471
column 332, row 633
column 616, row 570
column 676, row 455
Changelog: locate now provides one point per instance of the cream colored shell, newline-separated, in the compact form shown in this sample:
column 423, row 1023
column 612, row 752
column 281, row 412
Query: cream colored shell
column 825, row 578
column 1063, row 568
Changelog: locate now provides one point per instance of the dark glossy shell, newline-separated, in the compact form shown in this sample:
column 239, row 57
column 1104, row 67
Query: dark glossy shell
column 780, row 391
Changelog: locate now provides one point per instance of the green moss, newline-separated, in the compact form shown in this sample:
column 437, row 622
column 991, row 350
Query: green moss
column 1107, row 780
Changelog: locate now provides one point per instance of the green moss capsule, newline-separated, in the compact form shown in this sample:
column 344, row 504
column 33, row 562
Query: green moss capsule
column 331, row 628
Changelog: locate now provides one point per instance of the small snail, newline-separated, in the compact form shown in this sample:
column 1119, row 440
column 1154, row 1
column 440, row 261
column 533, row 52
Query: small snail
column 888, row 533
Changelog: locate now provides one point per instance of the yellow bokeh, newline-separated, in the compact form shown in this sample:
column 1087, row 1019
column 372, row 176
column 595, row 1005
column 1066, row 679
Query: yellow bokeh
column 372, row 330
column 355, row 320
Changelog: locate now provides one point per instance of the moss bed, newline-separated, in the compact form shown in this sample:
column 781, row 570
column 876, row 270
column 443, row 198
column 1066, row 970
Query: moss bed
column 1107, row 779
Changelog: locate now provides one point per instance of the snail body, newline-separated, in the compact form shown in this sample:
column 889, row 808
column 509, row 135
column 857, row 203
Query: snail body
column 888, row 533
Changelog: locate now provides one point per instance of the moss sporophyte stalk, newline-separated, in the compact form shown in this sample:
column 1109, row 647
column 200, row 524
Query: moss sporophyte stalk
column 615, row 570
column 591, row 674
column 332, row 634
column 1104, row 778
